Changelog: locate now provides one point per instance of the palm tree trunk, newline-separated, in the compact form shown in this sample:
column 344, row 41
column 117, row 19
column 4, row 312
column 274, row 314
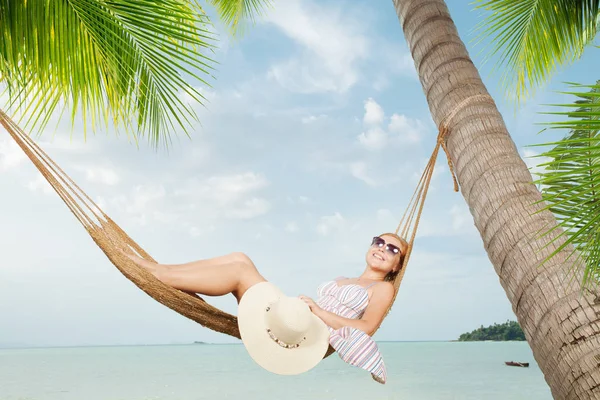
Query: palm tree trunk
column 561, row 324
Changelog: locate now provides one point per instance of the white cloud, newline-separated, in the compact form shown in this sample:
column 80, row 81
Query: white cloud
column 373, row 139
column 460, row 217
column 332, row 45
column 291, row 227
column 441, row 222
column 373, row 113
column 407, row 129
column 385, row 215
column 402, row 62
column 40, row 184
column 330, row 223
column 226, row 189
column 144, row 195
column 380, row 83
column 400, row 130
column 144, row 204
column 248, row 209
column 308, row 119
column 312, row 118
column 106, row 176
column 304, row 200
column 222, row 196
column 196, row 231
column 66, row 141
column 393, row 59
column 359, row 171
column 11, row 155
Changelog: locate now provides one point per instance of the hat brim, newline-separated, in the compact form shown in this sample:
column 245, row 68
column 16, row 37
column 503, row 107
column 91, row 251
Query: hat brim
column 263, row 350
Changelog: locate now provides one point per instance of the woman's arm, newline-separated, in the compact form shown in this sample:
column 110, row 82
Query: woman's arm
column 378, row 305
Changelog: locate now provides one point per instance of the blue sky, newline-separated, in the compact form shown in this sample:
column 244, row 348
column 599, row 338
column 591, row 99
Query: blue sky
column 312, row 142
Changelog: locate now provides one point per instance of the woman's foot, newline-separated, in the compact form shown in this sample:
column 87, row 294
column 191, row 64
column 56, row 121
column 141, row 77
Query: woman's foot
column 148, row 265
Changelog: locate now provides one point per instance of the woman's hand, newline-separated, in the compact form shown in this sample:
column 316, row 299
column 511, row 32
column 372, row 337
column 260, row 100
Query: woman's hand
column 311, row 304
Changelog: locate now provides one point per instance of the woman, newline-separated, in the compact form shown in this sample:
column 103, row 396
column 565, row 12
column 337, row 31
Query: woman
column 352, row 308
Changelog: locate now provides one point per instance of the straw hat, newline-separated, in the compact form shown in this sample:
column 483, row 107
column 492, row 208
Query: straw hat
column 281, row 333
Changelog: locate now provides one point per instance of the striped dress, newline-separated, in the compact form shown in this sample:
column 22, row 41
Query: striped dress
column 352, row 345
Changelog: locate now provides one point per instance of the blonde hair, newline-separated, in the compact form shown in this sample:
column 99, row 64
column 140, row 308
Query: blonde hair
column 404, row 249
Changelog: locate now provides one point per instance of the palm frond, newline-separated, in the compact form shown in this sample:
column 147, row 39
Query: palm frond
column 235, row 12
column 570, row 180
column 533, row 38
column 139, row 65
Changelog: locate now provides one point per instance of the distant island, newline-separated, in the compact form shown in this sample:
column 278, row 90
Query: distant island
column 510, row 330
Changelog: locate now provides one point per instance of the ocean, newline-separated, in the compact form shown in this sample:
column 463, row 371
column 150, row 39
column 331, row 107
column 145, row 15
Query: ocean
column 416, row 370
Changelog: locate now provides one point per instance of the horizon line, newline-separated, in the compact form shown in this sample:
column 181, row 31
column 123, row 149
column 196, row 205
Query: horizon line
column 239, row 343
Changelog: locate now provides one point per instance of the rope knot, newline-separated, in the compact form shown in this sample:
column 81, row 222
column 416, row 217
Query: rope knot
column 441, row 141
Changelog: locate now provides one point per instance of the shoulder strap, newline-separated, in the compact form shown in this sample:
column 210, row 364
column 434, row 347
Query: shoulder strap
column 371, row 284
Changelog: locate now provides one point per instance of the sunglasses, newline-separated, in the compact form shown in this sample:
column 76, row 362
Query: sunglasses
column 379, row 242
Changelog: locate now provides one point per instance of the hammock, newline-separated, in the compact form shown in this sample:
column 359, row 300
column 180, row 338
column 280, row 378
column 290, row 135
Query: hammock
column 112, row 239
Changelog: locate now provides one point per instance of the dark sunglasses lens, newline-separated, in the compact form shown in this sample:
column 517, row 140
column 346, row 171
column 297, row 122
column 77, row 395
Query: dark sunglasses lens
column 377, row 241
column 393, row 248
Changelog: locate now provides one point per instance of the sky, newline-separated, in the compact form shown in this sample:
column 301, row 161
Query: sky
column 314, row 136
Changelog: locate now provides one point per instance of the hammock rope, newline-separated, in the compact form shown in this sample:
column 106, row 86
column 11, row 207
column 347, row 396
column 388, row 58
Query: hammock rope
column 112, row 240
column 409, row 223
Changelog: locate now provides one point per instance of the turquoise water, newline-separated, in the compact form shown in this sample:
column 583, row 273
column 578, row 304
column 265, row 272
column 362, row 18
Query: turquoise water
column 416, row 370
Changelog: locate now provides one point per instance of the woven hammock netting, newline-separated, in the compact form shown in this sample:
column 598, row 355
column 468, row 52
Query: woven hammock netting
column 112, row 240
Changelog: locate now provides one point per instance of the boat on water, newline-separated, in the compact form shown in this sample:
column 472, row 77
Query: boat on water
column 516, row 364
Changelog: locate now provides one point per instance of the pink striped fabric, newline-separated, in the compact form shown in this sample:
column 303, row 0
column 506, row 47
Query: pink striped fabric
column 352, row 345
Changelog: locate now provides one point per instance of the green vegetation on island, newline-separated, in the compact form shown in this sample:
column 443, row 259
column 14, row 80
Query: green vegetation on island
column 510, row 330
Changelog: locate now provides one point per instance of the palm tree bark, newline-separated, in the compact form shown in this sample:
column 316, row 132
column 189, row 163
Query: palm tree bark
column 561, row 324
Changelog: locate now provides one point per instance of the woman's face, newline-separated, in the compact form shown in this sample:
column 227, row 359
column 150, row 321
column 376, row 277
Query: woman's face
column 384, row 253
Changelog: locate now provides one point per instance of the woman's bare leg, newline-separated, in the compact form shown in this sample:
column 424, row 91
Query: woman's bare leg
column 233, row 273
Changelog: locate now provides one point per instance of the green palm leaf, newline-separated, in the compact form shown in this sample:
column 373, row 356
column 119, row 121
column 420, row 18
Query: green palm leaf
column 235, row 12
column 136, row 64
column 533, row 38
column 570, row 180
